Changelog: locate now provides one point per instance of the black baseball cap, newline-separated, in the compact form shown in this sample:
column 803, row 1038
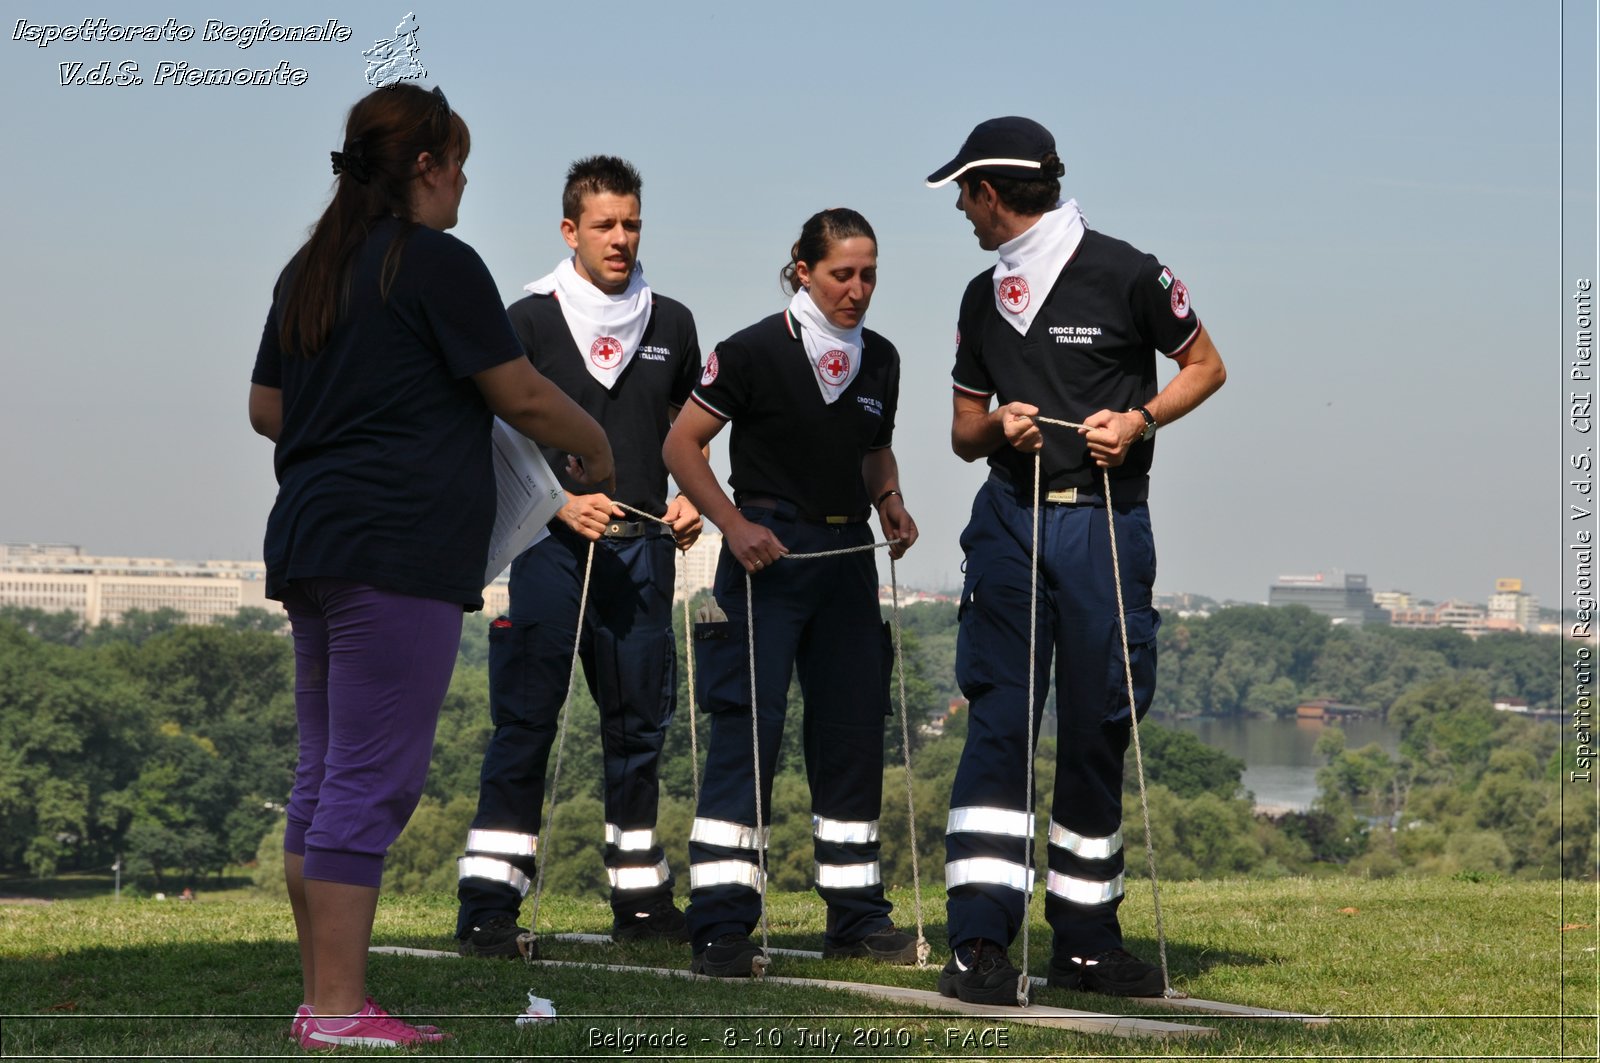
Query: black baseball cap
column 1010, row 147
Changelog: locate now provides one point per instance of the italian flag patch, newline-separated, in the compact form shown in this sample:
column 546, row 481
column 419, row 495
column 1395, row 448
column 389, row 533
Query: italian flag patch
column 1165, row 278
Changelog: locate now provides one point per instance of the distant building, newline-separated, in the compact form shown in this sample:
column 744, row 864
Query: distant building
column 1393, row 601
column 697, row 566
column 497, row 596
column 1184, row 604
column 59, row 577
column 1342, row 598
column 1510, row 608
column 1462, row 616
column 886, row 595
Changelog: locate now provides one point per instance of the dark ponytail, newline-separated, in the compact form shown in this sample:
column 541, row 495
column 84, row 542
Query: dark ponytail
column 385, row 133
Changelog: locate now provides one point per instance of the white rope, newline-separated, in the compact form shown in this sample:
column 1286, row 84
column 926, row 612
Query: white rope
column 759, row 964
column 923, row 948
column 694, row 738
column 1024, row 984
column 1133, row 711
column 555, row 773
column 688, row 658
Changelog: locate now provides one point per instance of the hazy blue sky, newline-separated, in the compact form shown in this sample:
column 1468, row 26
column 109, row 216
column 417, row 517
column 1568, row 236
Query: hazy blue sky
column 1364, row 200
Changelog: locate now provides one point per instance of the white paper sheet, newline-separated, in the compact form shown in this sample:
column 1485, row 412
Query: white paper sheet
column 528, row 496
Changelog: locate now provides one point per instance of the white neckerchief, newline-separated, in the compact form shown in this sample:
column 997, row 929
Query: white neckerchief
column 834, row 353
column 1030, row 264
column 606, row 328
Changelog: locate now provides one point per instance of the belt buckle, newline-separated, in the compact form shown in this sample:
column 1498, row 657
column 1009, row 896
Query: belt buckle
column 1066, row 495
column 618, row 528
column 837, row 520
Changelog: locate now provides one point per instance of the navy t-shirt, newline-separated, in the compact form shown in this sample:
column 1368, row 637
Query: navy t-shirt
column 787, row 442
column 634, row 412
column 1091, row 347
column 383, row 463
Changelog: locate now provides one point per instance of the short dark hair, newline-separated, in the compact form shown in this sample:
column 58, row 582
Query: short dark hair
column 597, row 174
column 818, row 235
column 1021, row 195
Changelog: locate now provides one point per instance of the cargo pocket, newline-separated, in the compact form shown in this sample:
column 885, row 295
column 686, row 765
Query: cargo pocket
column 888, row 686
column 640, row 675
column 722, row 666
column 975, row 657
column 526, row 662
column 1143, row 623
column 508, row 671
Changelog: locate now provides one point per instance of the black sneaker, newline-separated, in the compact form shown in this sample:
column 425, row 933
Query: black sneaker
column 980, row 972
column 498, row 937
column 881, row 946
column 1065, row 972
column 729, row 956
column 660, row 922
column 1116, row 972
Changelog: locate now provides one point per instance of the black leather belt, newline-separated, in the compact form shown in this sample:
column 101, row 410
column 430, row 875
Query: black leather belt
column 788, row 511
column 1123, row 492
column 626, row 529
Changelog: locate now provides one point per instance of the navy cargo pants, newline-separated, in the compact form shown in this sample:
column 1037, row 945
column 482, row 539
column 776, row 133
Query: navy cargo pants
column 991, row 817
column 820, row 618
column 631, row 668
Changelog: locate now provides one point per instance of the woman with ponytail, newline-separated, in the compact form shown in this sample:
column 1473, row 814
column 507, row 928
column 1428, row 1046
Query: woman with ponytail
column 385, row 353
column 811, row 396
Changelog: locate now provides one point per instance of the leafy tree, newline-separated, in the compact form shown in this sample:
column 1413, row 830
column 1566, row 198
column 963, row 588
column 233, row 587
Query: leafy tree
column 423, row 858
column 267, row 874
column 254, row 618
column 1183, row 764
column 1445, row 728
column 135, row 627
column 62, row 628
column 72, row 731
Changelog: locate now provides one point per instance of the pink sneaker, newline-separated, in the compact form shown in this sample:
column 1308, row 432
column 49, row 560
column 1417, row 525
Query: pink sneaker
column 371, row 1027
column 298, row 1023
column 429, row 1033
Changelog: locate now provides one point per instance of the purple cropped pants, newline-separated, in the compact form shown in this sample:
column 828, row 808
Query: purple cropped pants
column 371, row 671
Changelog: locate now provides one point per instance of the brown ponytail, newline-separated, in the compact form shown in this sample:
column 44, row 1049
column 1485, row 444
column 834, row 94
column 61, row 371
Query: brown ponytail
column 384, row 134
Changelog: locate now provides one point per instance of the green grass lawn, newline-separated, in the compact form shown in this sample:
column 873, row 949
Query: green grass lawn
column 1409, row 968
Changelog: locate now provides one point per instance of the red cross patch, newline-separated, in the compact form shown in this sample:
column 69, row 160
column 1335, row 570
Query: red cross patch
column 1014, row 294
column 606, row 352
column 834, row 367
column 1180, row 300
column 709, row 373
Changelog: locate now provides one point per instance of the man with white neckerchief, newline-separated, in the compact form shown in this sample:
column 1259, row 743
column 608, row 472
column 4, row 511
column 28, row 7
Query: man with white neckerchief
column 630, row 358
column 1065, row 327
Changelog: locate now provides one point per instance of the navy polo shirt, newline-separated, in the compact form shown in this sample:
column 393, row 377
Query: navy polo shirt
column 383, row 464
column 634, row 412
column 1091, row 347
column 787, row 442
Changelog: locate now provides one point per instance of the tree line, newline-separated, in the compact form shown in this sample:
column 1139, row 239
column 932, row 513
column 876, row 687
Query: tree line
column 172, row 746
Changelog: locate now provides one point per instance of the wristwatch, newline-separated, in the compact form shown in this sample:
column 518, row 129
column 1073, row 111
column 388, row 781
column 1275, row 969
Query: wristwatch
column 1150, row 425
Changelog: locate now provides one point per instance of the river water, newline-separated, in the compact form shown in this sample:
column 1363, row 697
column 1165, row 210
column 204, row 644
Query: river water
column 1280, row 762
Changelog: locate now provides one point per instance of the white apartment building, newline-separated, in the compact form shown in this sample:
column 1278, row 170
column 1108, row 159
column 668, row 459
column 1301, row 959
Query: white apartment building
column 1512, row 608
column 697, row 566
column 59, row 577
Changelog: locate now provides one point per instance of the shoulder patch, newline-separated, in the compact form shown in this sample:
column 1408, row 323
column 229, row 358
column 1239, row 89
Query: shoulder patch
column 1180, row 300
column 1165, row 278
column 709, row 373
